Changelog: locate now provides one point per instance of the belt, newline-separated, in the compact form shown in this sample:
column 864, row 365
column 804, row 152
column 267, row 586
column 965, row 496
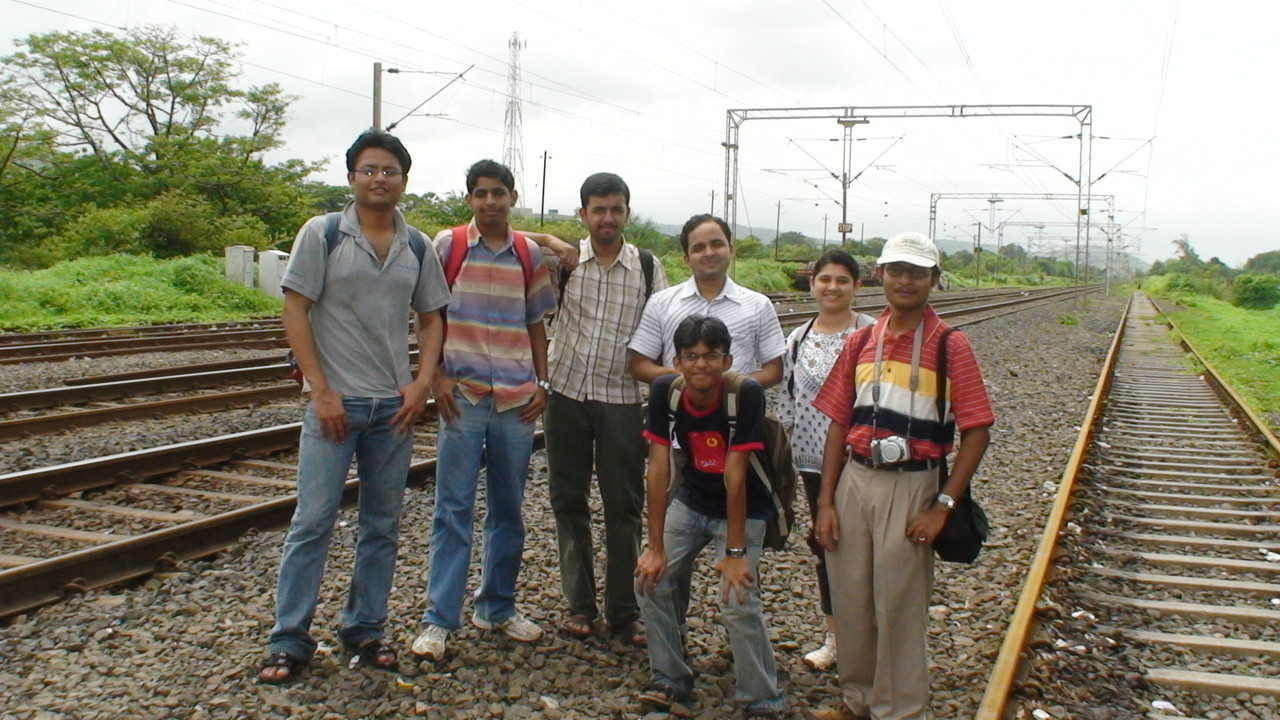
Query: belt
column 908, row 466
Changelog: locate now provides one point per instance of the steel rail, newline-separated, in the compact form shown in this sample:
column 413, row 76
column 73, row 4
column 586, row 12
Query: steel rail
column 137, row 465
column 198, row 403
column 1000, row 682
column 76, row 394
column 33, row 585
column 130, row 330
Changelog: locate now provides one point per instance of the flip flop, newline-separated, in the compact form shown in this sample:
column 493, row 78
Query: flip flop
column 632, row 632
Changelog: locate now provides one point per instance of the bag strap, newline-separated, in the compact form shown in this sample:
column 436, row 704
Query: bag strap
column 458, row 249
column 520, row 244
column 646, row 266
column 795, row 353
column 941, row 373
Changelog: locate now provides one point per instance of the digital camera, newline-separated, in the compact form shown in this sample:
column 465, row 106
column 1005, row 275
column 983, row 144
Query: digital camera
column 890, row 450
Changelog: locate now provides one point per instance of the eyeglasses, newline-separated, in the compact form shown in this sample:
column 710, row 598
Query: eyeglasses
column 370, row 171
column 690, row 358
column 915, row 272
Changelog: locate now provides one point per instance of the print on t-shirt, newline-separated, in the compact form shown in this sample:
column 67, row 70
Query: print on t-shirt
column 708, row 450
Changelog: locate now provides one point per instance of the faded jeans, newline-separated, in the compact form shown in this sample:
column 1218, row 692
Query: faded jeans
column 382, row 457
column 684, row 536
column 504, row 443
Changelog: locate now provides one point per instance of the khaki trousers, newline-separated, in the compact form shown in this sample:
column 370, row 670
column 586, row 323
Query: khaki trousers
column 880, row 585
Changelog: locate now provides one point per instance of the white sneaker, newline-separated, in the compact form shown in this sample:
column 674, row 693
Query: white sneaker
column 825, row 656
column 517, row 627
column 431, row 643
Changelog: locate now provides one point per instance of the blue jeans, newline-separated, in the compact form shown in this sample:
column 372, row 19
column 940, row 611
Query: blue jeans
column 383, row 457
column 503, row 442
column 685, row 534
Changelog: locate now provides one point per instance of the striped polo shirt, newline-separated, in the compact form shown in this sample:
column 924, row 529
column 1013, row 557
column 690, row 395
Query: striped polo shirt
column 846, row 396
column 487, row 348
column 750, row 317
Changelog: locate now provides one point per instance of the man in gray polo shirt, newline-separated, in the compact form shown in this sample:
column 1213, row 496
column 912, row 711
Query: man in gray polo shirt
column 351, row 281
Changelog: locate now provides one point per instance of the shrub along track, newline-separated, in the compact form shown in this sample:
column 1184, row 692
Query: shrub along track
column 1154, row 586
column 243, row 470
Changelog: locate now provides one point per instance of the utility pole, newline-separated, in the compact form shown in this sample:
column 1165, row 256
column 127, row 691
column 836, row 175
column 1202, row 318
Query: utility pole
column 846, row 166
column 777, row 229
column 377, row 96
column 824, row 232
column 542, row 211
column 977, row 253
column 713, row 202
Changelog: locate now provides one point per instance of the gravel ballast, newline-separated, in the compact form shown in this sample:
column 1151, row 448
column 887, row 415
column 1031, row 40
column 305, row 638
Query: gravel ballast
column 184, row 643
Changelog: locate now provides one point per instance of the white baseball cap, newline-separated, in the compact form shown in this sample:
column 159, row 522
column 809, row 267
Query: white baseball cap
column 910, row 247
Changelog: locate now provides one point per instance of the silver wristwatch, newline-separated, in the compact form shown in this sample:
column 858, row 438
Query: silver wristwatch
column 545, row 385
column 735, row 552
column 946, row 501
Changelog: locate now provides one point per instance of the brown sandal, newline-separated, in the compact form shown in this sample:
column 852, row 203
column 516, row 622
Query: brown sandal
column 280, row 661
column 632, row 632
column 371, row 653
column 577, row 625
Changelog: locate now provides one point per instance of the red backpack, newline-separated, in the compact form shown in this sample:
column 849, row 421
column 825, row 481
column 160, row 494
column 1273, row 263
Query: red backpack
column 460, row 247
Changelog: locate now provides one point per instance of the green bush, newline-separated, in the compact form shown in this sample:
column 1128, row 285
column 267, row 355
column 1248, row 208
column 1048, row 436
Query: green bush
column 1256, row 292
column 126, row 290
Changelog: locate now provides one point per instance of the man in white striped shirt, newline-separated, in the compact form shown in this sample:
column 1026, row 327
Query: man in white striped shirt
column 758, row 342
column 594, row 417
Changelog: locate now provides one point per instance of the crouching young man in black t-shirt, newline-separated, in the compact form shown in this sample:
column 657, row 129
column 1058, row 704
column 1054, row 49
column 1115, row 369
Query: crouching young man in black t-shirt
column 717, row 500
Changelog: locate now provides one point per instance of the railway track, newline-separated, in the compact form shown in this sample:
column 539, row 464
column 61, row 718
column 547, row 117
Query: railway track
column 106, row 520
column 266, row 333
column 1158, row 576
column 266, row 380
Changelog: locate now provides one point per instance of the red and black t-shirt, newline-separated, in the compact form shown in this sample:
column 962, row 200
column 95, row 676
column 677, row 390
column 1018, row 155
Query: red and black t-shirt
column 704, row 439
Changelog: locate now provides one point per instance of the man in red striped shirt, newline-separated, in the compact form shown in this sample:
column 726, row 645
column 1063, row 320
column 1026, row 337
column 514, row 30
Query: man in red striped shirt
column 880, row 506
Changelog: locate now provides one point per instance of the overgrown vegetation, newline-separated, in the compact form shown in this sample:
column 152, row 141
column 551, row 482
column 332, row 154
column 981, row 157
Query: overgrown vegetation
column 1232, row 317
column 126, row 290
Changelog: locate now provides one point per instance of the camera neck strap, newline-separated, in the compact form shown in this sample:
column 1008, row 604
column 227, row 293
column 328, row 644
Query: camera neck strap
column 916, row 344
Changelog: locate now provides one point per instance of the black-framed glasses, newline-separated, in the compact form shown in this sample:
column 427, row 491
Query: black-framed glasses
column 387, row 172
column 915, row 272
column 713, row 356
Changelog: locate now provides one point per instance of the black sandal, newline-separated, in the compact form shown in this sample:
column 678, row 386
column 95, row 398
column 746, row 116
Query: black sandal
column 370, row 653
column 281, row 660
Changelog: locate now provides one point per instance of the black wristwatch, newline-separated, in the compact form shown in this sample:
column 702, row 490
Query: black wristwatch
column 735, row 552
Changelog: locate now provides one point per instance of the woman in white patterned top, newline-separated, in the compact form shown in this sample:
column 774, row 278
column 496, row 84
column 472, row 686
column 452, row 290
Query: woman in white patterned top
column 811, row 350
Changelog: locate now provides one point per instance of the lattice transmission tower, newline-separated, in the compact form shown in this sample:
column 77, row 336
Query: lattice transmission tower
column 513, row 131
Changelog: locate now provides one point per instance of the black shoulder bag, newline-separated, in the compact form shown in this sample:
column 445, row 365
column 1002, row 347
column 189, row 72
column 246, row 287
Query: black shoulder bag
column 966, row 529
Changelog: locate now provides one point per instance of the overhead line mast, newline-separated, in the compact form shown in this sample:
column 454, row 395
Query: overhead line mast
column 513, row 127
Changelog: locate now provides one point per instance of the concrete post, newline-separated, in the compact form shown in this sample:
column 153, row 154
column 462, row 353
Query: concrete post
column 238, row 266
column 271, row 266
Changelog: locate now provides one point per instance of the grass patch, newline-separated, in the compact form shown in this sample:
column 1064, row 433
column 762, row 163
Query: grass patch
column 126, row 290
column 1068, row 319
column 1244, row 345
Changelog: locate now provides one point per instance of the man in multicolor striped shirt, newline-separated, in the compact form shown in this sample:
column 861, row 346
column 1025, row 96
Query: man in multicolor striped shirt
column 878, row 514
column 490, row 393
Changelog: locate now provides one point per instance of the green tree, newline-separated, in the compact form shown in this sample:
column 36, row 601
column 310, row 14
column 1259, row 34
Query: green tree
column 750, row 247
column 1267, row 262
column 125, row 118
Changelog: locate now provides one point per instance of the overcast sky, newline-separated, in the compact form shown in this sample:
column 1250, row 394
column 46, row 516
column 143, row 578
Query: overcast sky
column 641, row 89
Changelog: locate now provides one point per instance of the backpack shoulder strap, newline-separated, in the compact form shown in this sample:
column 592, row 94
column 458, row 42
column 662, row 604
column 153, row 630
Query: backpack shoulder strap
column 332, row 237
column 941, row 373
column 458, row 249
column 795, row 354
column 521, row 246
column 646, row 265
column 673, row 396
column 418, row 244
column 732, row 386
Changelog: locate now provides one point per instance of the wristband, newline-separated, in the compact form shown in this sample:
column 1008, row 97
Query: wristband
column 735, row 552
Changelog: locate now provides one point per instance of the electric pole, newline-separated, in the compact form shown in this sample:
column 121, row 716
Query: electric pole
column 977, row 253
column 713, row 202
column 824, row 232
column 777, row 230
column 377, row 96
column 542, row 211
